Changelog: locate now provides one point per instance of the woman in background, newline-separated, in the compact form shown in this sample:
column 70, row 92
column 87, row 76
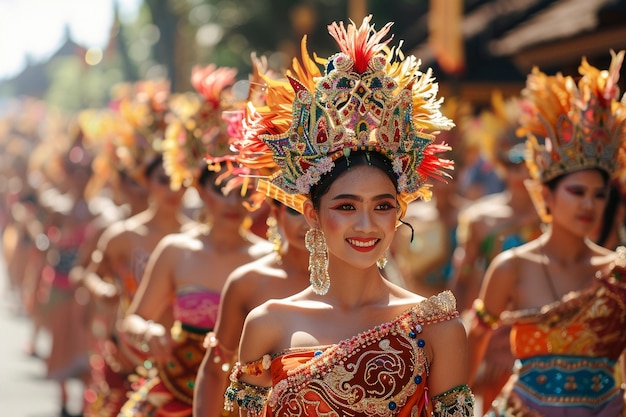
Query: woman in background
column 186, row 272
column 563, row 295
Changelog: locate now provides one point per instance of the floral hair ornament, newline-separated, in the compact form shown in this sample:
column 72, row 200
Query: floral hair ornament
column 370, row 98
column 106, row 128
column 237, row 175
column 581, row 125
column 145, row 108
column 197, row 127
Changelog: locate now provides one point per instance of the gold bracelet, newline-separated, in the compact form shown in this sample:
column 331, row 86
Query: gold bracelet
column 144, row 346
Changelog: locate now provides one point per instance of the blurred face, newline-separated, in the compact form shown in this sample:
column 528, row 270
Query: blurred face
column 577, row 203
column 358, row 216
column 128, row 189
column 293, row 226
column 160, row 192
column 76, row 176
column 226, row 205
column 515, row 174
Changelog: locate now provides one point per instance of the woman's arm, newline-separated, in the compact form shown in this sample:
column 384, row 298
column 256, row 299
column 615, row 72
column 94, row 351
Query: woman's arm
column 221, row 354
column 251, row 378
column 99, row 275
column 154, row 296
column 448, row 378
column 495, row 295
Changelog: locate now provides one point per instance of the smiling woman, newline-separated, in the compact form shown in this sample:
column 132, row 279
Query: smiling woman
column 31, row 31
column 354, row 151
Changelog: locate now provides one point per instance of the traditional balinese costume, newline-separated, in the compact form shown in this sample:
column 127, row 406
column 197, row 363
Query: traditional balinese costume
column 366, row 101
column 195, row 137
column 566, row 351
column 132, row 131
column 380, row 372
column 169, row 391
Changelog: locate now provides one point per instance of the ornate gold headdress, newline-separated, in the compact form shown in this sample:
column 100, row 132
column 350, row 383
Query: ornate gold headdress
column 109, row 130
column 144, row 106
column 370, row 98
column 197, row 128
column 583, row 124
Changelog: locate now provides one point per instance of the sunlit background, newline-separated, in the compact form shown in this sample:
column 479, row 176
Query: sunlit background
column 70, row 52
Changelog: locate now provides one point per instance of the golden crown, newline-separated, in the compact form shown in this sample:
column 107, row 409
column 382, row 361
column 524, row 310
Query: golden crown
column 582, row 125
column 196, row 128
column 142, row 106
column 370, row 98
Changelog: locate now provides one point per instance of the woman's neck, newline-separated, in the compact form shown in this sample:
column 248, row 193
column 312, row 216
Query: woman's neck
column 164, row 219
column 353, row 287
column 563, row 246
column 228, row 239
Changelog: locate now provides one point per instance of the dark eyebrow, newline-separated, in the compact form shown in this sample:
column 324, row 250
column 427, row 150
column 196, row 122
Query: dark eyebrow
column 358, row 198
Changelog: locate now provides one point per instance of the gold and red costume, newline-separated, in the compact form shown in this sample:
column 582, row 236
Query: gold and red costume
column 380, row 372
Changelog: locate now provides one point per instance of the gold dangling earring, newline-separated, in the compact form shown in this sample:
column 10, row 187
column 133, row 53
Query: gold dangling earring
column 274, row 237
column 382, row 262
column 318, row 261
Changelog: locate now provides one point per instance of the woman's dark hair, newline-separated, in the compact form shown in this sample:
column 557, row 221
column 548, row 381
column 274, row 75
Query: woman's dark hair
column 608, row 217
column 344, row 164
column 205, row 175
column 152, row 165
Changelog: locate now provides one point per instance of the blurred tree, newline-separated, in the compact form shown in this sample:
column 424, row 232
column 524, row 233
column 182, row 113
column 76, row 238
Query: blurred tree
column 169, row 37
column 225, row 32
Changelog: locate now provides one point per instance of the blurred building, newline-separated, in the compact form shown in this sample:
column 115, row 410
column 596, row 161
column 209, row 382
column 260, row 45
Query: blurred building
column 34, row 80
column 473, row 46
column 504, row 39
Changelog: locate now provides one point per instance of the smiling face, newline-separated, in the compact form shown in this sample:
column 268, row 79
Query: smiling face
column 578, row 200
column 357, row 214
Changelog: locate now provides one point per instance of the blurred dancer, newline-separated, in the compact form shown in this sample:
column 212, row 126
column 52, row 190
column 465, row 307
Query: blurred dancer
column 122, row 252
column 68, row 225
column 563, row 295
column 21, row 212
column 279, row 274
column 491, row 224
column 186, row 272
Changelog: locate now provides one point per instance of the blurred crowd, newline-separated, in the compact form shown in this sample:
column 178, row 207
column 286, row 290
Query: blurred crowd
column 123, row 227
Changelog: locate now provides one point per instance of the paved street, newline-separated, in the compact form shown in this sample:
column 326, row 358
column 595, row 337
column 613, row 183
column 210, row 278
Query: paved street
column 23, row 390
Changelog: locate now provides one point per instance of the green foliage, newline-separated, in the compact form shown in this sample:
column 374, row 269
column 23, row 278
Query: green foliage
column 169, row 37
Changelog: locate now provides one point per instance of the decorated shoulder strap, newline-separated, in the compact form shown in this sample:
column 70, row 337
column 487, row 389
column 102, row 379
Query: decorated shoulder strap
column 251, row 398
column 457, row 402
column 483, row 317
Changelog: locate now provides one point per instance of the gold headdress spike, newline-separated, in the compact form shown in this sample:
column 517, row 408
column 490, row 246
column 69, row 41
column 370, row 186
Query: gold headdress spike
column 196, row 127
column 370, row 98
column 581, row 125
column 143, row 106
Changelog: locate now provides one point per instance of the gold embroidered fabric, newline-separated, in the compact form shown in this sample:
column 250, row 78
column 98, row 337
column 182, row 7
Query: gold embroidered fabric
column 456, row 402
column 567, row 351
column 380, row 372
